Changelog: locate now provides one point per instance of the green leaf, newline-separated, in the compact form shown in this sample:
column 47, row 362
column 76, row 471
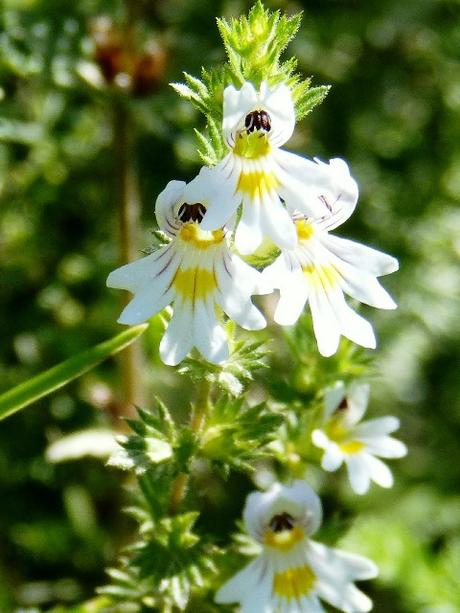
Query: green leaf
column 47, row 382
column 236, row 436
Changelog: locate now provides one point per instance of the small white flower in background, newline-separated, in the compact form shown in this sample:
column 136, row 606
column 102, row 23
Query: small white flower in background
column 292, row 573
column 345, row 438
column 196, row 272
column 319, row 270
column 269, row 182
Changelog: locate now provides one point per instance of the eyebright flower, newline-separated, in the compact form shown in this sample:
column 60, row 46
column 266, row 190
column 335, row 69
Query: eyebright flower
column 320, row 270
column 292, row 573
column 196, row 272
column 345, row 439
column 266, row 180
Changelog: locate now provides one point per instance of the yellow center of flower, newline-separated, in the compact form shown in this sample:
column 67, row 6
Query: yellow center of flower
column 284, row 539
column 304, row 229
column 200, row 239
column 257, row 183
column 320, row 276
column 194, row 283
column 294, row 583
column 252, row 146
column 351, row 447
column 336, row 432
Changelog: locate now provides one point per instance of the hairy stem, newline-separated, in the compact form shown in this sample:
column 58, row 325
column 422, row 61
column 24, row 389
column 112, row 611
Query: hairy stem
column 197, row 421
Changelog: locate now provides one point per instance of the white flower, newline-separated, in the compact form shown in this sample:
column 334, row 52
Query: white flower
column 345, row 439
column 319, row 270
column 292, row 573
column 196, row 272
column 266, row 180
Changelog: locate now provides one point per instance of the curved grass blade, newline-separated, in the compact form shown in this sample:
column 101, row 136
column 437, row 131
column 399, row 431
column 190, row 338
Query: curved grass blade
column 46, row 382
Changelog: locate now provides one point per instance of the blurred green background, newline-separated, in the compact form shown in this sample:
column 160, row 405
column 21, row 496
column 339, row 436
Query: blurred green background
column 393, row 113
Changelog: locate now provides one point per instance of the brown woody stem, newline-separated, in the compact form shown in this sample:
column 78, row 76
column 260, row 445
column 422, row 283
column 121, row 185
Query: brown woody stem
column 127, row 194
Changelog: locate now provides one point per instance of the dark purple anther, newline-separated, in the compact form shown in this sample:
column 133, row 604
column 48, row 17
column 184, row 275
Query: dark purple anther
column 191, row 212
column 257, row 120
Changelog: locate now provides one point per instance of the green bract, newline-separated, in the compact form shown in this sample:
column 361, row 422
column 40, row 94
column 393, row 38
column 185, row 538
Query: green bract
column 254, row 45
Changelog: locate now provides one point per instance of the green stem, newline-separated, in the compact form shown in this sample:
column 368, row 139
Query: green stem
column 197, row 421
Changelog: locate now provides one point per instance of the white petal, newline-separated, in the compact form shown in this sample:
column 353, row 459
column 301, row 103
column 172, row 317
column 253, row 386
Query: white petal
column 338, row 564
column 260, row 599
column 352, row 325
column 385, row 447
column 316, row 189
column 362, row 257
column 279, row 105
column 320, row 439
column 277, row 223
column 237, row 104
column 178, row 338
column 332, row 459
column 325, row 325
column 236, row 283
column 358, row 399
column 158, row 267
column 377, row 427
column 346, row 597
column 336, row 570
column 276, row 275
column 255, row 509
column 166, row 203
column 209, row 337
column 344, row 192
column 358, row 473
column 379, row 472
column 240, row 585
column 221, row 200
column 304, row 495
column 249, row 233
column 214, row 188
column 332, row 398
column 364, row 287
column 244, row 313
column 144, row 305
column 292, row 300
column 311, row 604
column 299, row 184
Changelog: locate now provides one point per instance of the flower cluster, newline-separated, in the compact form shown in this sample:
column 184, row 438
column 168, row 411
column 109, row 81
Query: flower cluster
column 257, row 193
column 258, row 197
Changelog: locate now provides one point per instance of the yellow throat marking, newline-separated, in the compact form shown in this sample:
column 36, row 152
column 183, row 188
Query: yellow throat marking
column 251, row 146
column 338, row 433
column 321, row 276
column 304, row 229
column 351, row 447
column 200, row 239
column 284, row 540
column 257, row 183
column 294, row 583
column 194, row 283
